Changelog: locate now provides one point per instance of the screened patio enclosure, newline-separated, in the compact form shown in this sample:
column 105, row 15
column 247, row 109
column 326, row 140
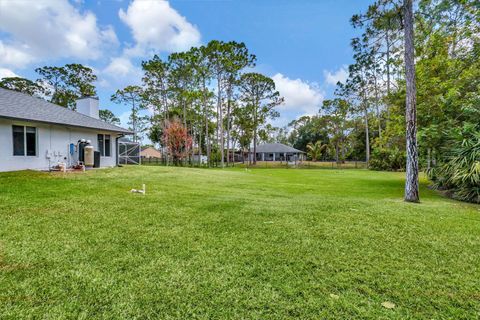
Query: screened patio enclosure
column 128, row 151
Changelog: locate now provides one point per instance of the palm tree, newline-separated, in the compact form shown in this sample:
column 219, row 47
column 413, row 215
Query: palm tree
column 315, row 150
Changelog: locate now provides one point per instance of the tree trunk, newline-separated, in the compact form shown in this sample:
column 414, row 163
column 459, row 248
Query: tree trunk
column 379, row 118
column 165, row 102
column 220, row 122
column 200, row 143
column 184, row 103
column 254, row 146
column 207, row 139
column 388, row 70
column 205, row 107
column 411, row 182
column 336, row 153
column 255, row 134
column 134, row 121
column 232, row 153
column 185, row 121
column 228, row 127
column 367, row 137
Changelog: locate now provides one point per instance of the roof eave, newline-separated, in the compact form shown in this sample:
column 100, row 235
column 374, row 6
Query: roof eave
column 121, row 130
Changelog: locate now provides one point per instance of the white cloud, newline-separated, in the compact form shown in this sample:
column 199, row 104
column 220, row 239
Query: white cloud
column 340, row 75
column 119, row 67
column 119, row 73
column 11, row 56
column 300, row 96
column 156, row 26
column 45, row 29
column 103, row 83
column 7, row 73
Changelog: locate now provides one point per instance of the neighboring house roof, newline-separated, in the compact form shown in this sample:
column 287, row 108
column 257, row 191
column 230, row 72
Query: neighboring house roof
column 17, row 105
column 275, row 148
column 150, row 152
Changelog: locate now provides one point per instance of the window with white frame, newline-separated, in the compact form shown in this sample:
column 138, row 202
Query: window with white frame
column 24, row 141
column 104, row 145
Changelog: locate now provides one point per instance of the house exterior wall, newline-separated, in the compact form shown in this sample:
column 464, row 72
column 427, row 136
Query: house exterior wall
column 276, row 156
column 51, row 139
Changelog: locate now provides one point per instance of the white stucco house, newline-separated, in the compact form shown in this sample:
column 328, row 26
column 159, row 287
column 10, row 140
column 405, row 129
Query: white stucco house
column 276, row 152
column 36, row 134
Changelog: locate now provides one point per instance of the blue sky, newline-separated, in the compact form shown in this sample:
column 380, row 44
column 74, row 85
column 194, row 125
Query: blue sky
column 302, row 44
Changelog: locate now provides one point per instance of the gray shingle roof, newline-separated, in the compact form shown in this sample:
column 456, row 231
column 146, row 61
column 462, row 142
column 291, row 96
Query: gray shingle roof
column 17, row 105
column 275, row 148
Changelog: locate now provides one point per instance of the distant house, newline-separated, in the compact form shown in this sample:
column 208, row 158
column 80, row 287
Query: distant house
column 150, row 152
column 276, row 152
column 37, row 134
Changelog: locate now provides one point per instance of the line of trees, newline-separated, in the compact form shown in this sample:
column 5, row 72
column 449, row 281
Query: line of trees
column 208, row 89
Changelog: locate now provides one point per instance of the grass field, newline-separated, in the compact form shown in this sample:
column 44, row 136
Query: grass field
column 233, row 243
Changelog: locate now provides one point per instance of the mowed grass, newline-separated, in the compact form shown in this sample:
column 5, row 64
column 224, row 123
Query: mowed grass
column 304, row 165
column 233, row 244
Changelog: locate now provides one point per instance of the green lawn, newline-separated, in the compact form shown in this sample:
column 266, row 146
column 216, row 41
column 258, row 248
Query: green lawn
column 233, row 243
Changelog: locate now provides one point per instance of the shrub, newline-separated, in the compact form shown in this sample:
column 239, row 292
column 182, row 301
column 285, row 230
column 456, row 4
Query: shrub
column 459, row 174
column 177, row 140
column 387, row 159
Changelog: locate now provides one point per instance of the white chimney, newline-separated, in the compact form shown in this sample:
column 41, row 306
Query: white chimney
column 88, row 106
